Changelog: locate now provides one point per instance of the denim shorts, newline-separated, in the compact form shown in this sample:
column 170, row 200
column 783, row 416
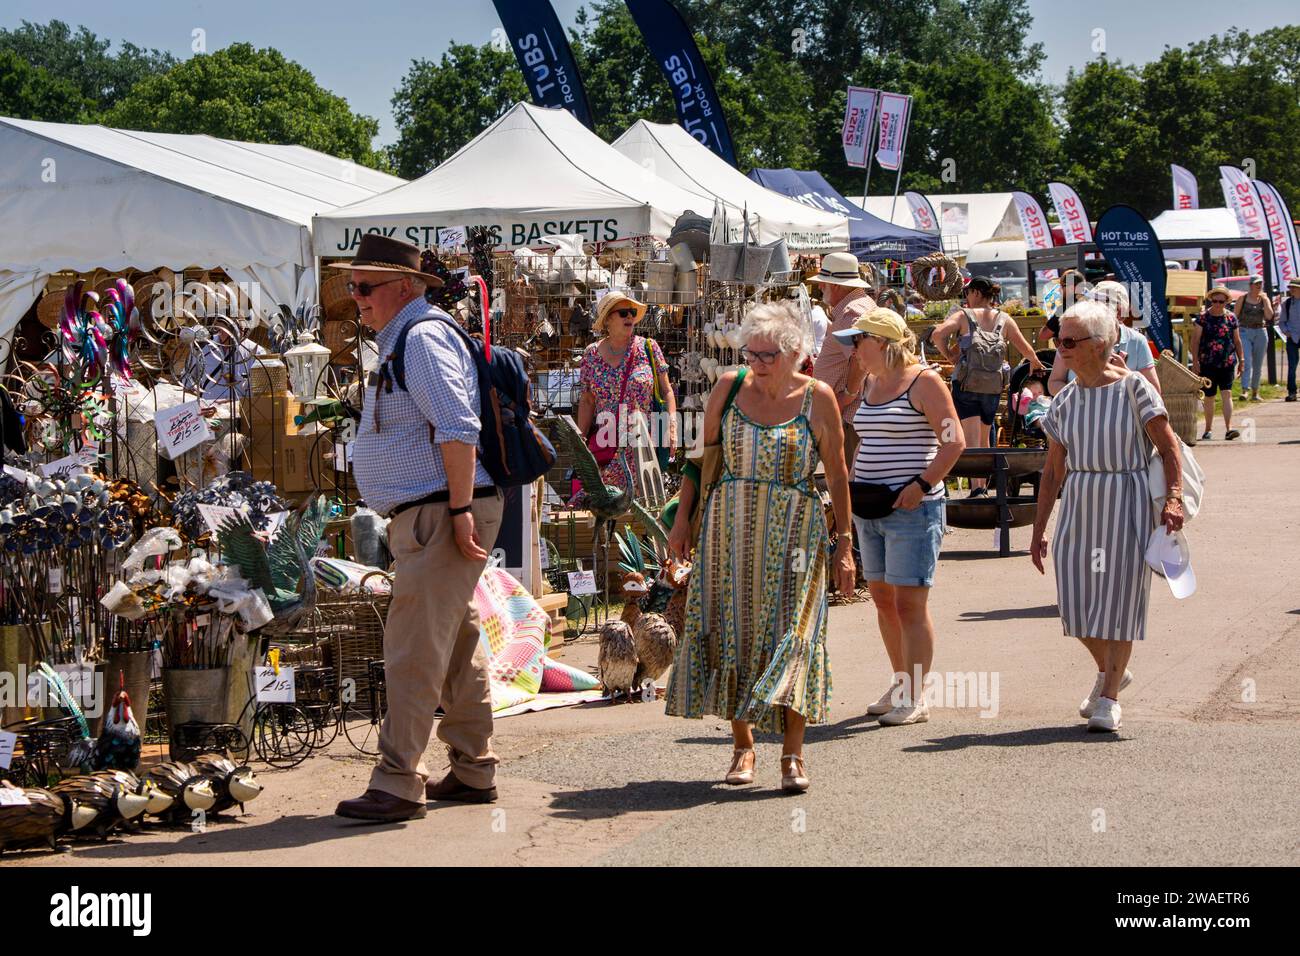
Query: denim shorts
column 903, row 548
column 975, row 404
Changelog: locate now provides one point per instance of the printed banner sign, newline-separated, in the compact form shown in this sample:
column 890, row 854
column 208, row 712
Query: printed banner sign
column 1281, row 229
column 894, row 112
column 859, row 123
column 544, row 56
column 1240, row 196
column 1069, row 210
column 1130, row 245
column 922, row 212
column 1185, row 192
column 343, row 240
column 699, row 110
column 1033, row 221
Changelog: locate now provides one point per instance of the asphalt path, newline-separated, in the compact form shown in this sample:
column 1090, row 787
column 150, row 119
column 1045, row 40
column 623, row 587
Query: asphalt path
column 1203, row 772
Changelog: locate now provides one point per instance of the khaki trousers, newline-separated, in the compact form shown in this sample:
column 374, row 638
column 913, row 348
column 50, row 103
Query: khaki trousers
column 432, row 655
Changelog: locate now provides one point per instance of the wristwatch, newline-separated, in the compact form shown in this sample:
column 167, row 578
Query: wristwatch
column 453, row 512
column 925, row 485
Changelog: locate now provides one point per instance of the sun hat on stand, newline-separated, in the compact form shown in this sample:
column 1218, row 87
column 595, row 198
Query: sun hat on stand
column 840, row 268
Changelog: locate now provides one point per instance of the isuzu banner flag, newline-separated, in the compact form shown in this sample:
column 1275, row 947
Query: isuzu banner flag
column 1240, row 196
column 1070, row 212
column 1185, row 196
column 922, row 212
column 1033, row 221
column 1131, row 247
column 1281, row 229
column 859, row 120
column 671, row 44
column 544, row 56
column 895, row 109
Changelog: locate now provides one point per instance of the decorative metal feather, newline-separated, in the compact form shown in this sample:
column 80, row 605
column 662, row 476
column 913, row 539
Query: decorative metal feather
column 241, row 548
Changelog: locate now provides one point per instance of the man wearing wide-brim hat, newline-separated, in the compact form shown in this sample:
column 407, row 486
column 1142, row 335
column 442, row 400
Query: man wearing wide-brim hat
column 415, row 461
column 845, row 293
column 1288, row 326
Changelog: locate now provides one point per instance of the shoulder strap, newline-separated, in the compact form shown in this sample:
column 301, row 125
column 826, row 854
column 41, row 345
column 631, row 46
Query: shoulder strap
column 397, row 358
column 735, row 388
column 654, row 370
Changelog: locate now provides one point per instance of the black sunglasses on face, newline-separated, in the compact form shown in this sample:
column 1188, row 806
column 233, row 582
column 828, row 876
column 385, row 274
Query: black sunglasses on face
column 1069, row 343
column 625, row 313
column 365, row 289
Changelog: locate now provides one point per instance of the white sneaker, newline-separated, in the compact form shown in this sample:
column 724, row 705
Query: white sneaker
column 885, row 704
column 1090, row 702
column 906, row 714
column 1106, row 715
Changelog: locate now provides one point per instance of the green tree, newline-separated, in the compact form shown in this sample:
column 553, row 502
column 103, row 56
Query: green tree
column 1106, row 133
column 30, row 92
column 441, row 106
column 247, row 94
column 84, row 60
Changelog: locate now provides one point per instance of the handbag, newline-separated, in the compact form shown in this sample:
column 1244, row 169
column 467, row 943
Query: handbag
column 711, row 462
column 872, row 501
column 1193, row 474
column 658, row 405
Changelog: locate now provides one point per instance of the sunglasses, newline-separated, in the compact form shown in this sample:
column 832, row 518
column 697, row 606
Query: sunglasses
column 1069, row 343
column 767, row 358
column 625, row 313
column 1218, row 302
column 366, row 289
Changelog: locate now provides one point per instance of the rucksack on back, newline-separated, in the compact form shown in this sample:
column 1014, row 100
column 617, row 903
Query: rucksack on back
column 980, row 367
column 512, row 449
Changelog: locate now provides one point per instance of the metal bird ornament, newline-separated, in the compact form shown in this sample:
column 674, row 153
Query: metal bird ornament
column 282, row 568
column 653, row 637
column 606, row 502
column 118, row 746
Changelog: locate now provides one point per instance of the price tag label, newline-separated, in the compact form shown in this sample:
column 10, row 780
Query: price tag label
column 215, row 515
column 582, row 582
column 74, row 464
column 181, row 429
column 13, row 798
column 273, row 688
column 56, row 580
column 7, row 743
column 342, row 455
column 546, row 557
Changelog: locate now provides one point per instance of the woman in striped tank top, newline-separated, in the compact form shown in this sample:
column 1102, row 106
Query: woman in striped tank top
column 909, row 438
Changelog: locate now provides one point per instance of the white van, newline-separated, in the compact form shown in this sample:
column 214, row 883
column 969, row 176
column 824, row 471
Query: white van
column 1003, row 261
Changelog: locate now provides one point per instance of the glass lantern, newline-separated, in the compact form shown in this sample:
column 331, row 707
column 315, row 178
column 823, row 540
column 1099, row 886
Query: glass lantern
column 306, row 363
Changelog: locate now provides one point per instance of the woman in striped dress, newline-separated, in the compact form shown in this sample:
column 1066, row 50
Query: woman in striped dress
column 753, row 649
column 1101, row 429
column 909, row 439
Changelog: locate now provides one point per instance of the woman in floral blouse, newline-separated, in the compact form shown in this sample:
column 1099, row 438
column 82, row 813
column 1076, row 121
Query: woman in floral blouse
column 622, row 371
column 1217, row 355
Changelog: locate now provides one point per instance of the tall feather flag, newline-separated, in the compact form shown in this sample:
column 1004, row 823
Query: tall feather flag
column 699, row 110
column 544, row 56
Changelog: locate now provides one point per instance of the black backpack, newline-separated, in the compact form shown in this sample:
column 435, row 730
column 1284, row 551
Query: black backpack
column 512, row 449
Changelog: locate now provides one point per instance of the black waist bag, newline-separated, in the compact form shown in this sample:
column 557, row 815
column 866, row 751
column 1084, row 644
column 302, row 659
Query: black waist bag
column 871, row 501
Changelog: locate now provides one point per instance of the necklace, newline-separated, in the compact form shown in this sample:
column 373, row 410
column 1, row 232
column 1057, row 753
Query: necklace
column 618, row 355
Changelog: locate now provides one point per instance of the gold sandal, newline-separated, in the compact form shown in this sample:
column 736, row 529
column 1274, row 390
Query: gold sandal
column 737, row 777
column 794, row 780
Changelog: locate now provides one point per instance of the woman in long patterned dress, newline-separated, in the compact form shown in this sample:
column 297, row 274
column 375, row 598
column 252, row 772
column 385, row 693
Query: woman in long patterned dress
column 620, row 375
column 1101, row 429
column 754, row 646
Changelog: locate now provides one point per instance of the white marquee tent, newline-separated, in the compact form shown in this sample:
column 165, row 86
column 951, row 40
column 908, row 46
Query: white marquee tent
column 673, row 154
column 534, row 172
column 964, row 218
column 1197, row 224
column 86, row 197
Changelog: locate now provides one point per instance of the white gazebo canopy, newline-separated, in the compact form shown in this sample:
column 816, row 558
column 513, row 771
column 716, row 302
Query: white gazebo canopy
column 534, row 172
column 670, row 152
column 88, row 197
column 964, row 218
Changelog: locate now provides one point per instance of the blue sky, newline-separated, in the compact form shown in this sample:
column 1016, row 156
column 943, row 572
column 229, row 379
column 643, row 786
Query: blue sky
column 361, row 50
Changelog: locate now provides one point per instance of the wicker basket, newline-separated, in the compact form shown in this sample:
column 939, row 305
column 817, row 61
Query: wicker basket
column 344, row 631
column 341, row 339
column 1181, row 389
column 936, row 277
column 336, row 304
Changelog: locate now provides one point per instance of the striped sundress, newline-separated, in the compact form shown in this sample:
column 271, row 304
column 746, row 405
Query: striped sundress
column 1102, row 579
column 754, row 641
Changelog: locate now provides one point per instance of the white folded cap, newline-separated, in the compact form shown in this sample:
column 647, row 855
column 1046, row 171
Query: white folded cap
column 1169, row 556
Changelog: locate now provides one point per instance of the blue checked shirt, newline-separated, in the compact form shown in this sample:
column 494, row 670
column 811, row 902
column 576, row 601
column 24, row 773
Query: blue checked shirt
column 399, row 462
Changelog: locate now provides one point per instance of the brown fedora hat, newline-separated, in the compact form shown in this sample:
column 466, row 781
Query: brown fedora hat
column 378, row 253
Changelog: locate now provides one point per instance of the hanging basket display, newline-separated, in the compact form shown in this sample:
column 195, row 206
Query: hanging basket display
column 937, row 277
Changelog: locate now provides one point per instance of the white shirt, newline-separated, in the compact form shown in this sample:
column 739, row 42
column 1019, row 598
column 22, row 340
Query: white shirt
column 819, row 326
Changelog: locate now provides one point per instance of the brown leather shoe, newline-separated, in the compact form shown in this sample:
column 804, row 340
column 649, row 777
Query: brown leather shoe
column 450, row 788
column 380, row 807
